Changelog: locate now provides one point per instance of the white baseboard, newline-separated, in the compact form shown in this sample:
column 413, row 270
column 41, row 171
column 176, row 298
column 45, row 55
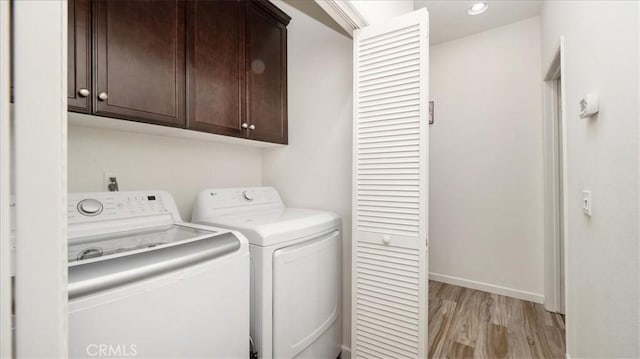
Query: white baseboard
column 486, row 287
column 346, row 352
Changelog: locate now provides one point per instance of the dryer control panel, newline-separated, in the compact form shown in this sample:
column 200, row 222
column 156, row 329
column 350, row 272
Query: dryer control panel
column 249, row 196
column 222, row 201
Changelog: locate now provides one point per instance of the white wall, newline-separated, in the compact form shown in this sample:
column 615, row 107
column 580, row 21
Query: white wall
column 379, row 10
column 142, row 162
column 314, row 171
column 486, row 172
column 601, row 54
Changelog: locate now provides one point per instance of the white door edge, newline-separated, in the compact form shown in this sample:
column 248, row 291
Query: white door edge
column 40, row 138
column 555, row 232
column 5, row 191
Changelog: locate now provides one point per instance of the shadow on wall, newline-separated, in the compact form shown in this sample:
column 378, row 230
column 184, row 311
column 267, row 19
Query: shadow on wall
column 312, row 9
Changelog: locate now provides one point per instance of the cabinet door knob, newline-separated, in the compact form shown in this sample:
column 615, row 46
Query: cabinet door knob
column 245, row 125
column 252, row 127
column 84, row 92
column 103, row 96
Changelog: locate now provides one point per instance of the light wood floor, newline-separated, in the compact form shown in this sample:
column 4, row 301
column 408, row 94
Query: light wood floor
column 467, row 323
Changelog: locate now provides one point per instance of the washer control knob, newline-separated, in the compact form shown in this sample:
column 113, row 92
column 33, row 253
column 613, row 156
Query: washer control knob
column 247, row 195
column 90, row 207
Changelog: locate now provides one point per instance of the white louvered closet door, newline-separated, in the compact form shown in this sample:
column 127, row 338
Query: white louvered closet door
column 390, row 189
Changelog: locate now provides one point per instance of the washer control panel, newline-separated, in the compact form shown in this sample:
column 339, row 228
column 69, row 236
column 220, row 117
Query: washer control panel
column 84, row 207
column 90, row 207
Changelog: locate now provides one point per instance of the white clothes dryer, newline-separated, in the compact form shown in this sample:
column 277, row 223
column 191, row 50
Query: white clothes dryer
column 295, row 269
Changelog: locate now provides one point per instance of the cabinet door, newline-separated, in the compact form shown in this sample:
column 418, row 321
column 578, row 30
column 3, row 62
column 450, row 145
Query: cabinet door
column 215, row 66
column 266, row 74
column 79, row 56
column 139, row 60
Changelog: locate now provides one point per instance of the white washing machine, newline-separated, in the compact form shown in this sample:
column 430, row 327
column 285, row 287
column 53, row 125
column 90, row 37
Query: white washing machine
column 142, row 283
column 295, row 269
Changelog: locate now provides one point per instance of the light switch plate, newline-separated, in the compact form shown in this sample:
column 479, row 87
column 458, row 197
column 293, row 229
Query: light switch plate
column 587, row 203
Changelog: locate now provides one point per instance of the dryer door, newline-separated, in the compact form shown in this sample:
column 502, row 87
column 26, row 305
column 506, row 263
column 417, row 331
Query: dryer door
column 306, row 289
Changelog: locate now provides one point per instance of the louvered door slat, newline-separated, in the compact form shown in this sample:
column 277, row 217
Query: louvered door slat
column 386, row 283
column 390, row 91
column 407, row 328
column 392, row 335
column 387, row 348
column 368, row 353
column 373, row 129
column 407, row 117
column 385, row 287
column 387, row 38
column 398, row 313
column 403, row 131
column 372, row 327
column 390, row 198
column 395, row 53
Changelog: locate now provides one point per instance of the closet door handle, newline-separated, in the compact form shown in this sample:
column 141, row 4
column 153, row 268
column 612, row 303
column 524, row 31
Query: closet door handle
column 102, row 96
column 84, row 92
column 245, row 125
column 252, row 127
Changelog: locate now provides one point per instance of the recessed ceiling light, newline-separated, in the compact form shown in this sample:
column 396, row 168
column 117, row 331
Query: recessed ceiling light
column 477, row 8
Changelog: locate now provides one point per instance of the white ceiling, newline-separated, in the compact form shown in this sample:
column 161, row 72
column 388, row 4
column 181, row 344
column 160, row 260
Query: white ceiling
column 448, row 19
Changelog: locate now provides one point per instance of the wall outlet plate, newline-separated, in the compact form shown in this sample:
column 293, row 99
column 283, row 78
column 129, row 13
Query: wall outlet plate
column 587, row 203
column 108, row 182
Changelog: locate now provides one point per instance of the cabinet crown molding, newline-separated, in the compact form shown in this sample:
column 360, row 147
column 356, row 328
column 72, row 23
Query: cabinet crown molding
column 274, row 11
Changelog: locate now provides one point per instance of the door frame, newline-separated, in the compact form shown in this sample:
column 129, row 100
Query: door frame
column 555, row 216
column 40, row 177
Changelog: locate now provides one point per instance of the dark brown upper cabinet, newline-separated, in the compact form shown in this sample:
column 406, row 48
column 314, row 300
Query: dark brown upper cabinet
column 79, row 56
column 266, row 72
column 236, row 69
column 139, row 60
column 216, row 67
column 213, row 66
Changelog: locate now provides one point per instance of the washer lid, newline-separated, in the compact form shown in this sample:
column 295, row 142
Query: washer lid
column 108, row 246
column 116, row 270
column 269, row 227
